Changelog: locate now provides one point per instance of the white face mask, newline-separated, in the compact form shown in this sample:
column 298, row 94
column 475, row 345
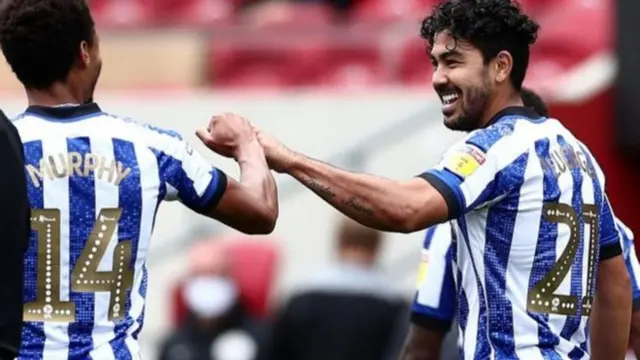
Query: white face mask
column 210, row 296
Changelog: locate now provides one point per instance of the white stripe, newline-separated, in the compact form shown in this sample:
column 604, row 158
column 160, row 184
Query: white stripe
column 149, row 183
column 468, row 283
column 106, row 197
column 430, row 290
column 521, row 259
column 56, row 195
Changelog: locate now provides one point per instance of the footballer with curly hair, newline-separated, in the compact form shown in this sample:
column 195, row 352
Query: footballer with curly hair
column 537, row 252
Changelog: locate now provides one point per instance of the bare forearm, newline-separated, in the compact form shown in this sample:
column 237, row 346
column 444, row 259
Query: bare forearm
column 610, row 320
column 422, row 344
column 257, row 178
column 371, row 200
column 634, row 337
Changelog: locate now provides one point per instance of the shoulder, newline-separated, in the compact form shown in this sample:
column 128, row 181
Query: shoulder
column 145, row 129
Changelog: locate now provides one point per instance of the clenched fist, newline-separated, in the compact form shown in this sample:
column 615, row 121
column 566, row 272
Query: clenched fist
column 226, row 134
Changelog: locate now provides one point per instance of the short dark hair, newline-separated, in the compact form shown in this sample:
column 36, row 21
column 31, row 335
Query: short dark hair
column 41, row 38
column 490, row 25
column 352, row 234
column 532, row 100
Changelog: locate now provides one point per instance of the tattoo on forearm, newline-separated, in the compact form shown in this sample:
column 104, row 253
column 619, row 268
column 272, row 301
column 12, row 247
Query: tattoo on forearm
column 358, row 205
column 323, row 190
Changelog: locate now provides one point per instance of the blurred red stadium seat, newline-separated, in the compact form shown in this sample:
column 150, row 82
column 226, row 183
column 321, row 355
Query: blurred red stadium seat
column 414, row 65
column 253, row 266
column 288, row 16
column 266, row 59
column 123, row 13
column 573, row 30
column 195, row 12
column 391, row 10
column 356, row 63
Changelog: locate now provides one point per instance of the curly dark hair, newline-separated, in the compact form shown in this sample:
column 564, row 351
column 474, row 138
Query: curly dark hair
column 41, row 38
column 490, row 25
column 532, row 100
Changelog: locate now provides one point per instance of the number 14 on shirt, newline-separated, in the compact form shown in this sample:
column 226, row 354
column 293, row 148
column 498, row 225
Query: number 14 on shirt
column 85, row 276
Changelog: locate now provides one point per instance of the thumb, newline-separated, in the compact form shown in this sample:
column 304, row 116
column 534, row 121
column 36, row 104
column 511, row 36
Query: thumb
column 203, row 135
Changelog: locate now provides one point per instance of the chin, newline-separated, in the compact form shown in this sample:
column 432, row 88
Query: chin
column 451, row 122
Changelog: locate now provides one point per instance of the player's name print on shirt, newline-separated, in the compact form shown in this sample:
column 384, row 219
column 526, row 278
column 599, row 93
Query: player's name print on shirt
column 76, row 164
column 564, row 158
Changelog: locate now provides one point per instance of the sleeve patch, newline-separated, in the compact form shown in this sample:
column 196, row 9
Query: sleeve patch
column 465, row 161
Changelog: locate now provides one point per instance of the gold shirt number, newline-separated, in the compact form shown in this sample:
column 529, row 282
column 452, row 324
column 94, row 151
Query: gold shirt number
column 543, row 297
column 85, row 276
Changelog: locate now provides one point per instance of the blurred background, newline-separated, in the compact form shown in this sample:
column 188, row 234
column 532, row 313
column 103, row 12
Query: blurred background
column 346, row 81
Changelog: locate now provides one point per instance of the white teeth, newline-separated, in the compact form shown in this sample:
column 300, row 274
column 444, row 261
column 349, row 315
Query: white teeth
column 449, row 98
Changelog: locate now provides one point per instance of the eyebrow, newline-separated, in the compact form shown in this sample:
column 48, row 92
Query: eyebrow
column 447, row 55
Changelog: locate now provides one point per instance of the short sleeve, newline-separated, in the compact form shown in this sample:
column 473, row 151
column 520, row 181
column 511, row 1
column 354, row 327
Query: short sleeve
column 434, row 303
column 479, row 170
column 186, row 174
column 610, row 237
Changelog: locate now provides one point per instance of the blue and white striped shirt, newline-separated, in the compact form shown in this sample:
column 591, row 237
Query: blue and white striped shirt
column 530, row 223
column 434, row 304
column 95, row 182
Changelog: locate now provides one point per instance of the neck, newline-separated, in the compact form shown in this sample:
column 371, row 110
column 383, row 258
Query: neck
column 356, row 257
column 499, row 103
column 56, row 94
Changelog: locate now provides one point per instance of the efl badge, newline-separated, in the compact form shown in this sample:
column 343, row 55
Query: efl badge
column 464, row 161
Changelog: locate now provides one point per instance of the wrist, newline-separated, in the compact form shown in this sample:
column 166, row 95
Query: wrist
column 248, row 150
column 295, row 161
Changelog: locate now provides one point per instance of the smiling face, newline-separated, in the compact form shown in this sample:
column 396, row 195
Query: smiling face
column 462, row 80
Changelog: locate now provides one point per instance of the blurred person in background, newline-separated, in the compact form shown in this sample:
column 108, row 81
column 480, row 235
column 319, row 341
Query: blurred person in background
column 516, row 188
column 217, row 326
column 14, row 237
column 346, row 312
column 94, row 182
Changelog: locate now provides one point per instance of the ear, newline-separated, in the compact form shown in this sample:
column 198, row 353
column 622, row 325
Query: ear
column 85, row 57
column 503, row 64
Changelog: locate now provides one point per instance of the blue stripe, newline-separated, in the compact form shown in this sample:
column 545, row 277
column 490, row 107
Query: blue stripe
column 572, row 323
column 33, row 336
column 463, row 313
column 545, row 255
column 483, row 343
column 143, row 293
column 82, row 215
column 428, row 238
column 448, row 294
column 130, row 201
column 501, row 221
column 173, row 173
column 486, row 138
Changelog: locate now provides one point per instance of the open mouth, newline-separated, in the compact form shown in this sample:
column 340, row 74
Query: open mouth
column 449, row 99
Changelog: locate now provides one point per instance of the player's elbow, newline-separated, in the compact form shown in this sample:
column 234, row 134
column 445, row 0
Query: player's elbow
column 420, row 208
column 265, row 222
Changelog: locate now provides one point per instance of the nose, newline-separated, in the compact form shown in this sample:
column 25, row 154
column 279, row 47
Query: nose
column 439, row 78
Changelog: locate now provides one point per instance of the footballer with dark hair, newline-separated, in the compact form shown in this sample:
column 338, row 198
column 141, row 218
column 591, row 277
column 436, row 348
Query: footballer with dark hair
column 95, row 181
column 538, row 254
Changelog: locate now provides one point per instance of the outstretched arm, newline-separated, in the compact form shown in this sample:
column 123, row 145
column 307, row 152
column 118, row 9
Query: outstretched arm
column 377, row 202
column 251, row 204
column 611, row 317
